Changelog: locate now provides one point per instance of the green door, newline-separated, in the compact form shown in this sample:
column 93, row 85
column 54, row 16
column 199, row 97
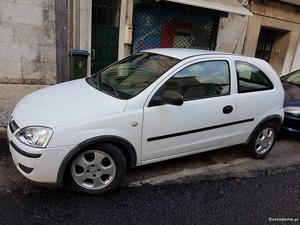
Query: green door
column 105, row 33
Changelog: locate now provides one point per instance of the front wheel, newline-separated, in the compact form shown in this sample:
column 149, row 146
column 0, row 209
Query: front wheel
column 263, row 140
column 96, row 170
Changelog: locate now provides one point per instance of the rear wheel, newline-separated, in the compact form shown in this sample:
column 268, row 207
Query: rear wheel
column 262, row 141
column 96, row 170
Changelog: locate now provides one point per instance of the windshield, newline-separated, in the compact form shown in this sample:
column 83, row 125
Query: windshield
column 132, row 75
column 292, row 78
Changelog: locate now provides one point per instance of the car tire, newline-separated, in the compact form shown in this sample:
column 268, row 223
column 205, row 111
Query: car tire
column 96, row 170
column 262, row 141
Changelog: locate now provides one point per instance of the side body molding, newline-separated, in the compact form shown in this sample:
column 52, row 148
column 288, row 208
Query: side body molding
column 125, row 146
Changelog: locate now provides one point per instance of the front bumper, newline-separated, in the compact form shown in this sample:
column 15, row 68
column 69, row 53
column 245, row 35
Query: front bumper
column 40, row 165
column 291, row 124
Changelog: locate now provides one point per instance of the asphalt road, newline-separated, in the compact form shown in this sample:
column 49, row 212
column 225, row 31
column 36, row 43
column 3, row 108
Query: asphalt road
column 229, row 201
column 3, row 147
column 185, row 200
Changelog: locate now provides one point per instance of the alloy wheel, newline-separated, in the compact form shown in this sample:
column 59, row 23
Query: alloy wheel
column 265, row 140
column 93, row 169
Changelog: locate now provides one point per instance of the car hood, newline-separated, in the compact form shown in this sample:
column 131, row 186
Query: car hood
column 65, row 103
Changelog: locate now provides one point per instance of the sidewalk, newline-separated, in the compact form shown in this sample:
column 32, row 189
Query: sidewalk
column 10, row 95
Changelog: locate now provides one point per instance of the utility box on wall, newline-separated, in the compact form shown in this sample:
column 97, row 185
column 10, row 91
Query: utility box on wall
column 128, row 34
column 78, row 63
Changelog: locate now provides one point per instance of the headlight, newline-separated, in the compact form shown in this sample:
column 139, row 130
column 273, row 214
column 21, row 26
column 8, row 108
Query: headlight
column 292, row 110
column 37, row 137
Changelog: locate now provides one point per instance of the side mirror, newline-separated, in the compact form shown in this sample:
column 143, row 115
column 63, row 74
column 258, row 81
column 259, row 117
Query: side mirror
column 172, row 98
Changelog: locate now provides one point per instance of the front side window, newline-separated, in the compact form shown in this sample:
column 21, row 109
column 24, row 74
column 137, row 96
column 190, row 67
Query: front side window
column 250, row 78
column 130, row 76
column 201, row 80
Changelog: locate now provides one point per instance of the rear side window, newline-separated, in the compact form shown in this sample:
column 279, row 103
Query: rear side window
column 250, row 78
column 201, row 80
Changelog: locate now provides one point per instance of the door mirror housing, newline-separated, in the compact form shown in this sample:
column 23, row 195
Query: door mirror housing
column 172, row 98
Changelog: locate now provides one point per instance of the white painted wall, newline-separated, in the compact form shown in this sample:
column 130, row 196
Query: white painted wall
column 123, row 12
column 290, row 55
column 296, row 61
column 86, row 28
column 231, row 33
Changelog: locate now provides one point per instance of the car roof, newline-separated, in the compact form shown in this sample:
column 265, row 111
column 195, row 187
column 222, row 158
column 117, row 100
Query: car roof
column 182, row 53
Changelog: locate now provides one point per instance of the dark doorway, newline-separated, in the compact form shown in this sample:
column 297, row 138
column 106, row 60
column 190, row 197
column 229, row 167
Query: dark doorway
column 105, row 33
column 265, row 43
column 272, row 46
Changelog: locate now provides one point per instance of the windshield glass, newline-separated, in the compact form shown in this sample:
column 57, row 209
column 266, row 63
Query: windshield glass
column 292, row 78
column 132, row 75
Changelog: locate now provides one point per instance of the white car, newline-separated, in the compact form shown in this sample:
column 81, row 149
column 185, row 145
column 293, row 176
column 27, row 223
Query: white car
column 151, row 106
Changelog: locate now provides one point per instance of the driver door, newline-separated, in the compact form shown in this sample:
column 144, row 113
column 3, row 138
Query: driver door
column 201, row 123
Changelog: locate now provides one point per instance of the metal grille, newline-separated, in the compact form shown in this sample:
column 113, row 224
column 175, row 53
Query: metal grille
column 162, row 27
column 265, row 43
column 106, row 13
column 105, row 33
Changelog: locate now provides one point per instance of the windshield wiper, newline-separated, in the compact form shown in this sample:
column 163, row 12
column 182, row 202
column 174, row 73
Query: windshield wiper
column 99, row 83
column 106, row 83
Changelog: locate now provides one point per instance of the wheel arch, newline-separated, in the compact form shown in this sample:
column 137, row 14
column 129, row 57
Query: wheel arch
column 273, row 118
column 125, row 146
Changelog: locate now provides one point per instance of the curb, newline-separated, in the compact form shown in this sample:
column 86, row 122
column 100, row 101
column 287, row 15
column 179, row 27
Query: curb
column 3, row 132
column 218, row 174
column 251, row 173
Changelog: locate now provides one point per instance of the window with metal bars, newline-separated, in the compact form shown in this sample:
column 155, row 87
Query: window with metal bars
column 265, row 43
column 170, row 27
column 106, row 13
column 105, row 33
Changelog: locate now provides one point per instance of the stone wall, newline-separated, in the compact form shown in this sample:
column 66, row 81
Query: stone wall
column 231, row 33
column 27, row 41
column 296, row 62
column 280, row 17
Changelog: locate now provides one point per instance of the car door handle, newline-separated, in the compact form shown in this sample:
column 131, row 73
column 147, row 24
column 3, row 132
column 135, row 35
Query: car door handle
column 227, row 109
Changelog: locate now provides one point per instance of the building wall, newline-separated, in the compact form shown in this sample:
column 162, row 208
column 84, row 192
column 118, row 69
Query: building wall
column 239, row 33
column 80, row 26
column 86, row 28
column 27, row 41
column 296, row 62
column 281, row 16
column 231, row 33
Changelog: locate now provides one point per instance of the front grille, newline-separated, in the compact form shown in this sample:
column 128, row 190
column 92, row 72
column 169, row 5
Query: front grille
column 13, row 126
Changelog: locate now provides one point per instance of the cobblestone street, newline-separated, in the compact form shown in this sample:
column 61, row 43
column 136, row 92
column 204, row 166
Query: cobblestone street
column 10, row 94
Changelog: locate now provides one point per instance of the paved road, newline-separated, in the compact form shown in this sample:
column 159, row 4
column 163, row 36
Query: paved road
column 216, row 193
column 10, row 95
column 229, row 201
column 3, row 147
